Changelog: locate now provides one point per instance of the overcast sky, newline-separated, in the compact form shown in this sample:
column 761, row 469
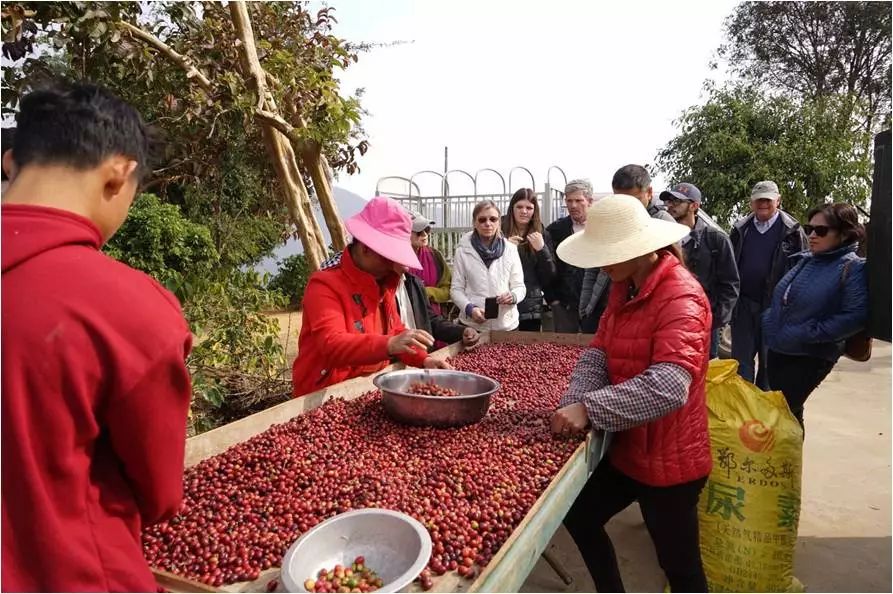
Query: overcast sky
column 587, row 86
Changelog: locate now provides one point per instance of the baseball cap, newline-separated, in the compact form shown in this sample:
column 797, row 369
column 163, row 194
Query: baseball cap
column 683, row 191
column 419, row 222
column 765, row 189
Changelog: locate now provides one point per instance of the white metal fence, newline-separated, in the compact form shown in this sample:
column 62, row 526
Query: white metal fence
column 451, row 213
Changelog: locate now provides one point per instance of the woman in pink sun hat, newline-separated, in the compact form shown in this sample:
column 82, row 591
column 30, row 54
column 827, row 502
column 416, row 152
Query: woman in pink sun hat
column 351, row 324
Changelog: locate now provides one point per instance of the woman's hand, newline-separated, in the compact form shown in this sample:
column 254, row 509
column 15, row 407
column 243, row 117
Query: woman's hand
column 536, row 241
column 477, row 315
column 470, row 338
column 570, row 420
column 409, row 340
column 432, row 363
column 505, row 299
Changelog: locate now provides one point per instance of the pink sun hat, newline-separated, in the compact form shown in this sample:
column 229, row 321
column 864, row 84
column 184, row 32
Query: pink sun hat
column 385, row 227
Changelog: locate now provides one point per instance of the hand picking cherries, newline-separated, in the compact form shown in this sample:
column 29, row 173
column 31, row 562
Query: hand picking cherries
column 469, row 486
column 356, row 578
column 426, row 389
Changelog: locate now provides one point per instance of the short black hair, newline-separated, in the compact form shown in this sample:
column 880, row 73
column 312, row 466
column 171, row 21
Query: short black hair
column 631, row 177
column 78, row 125
column 6, row 144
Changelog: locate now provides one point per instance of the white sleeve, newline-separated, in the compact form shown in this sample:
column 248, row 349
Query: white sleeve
column 457, row 284
column 516, row 277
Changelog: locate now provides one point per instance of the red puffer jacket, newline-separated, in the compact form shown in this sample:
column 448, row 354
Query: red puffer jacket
column 347, row 321
column 667, row 322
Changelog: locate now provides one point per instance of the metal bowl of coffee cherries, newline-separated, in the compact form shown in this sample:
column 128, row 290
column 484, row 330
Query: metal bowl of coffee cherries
column 435, row 397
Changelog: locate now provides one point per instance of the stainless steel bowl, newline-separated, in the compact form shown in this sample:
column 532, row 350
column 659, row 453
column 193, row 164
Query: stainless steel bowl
column 438, row 411
column 395, row 545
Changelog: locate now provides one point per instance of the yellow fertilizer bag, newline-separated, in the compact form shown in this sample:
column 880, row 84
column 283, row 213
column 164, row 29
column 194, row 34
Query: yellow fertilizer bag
column 749, row 509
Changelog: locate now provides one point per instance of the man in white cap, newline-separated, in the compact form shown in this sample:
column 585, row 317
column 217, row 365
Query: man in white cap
column 763, row 242
column 351, row 324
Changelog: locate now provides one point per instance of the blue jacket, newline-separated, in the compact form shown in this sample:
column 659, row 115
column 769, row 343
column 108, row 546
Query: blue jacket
column 814, row 309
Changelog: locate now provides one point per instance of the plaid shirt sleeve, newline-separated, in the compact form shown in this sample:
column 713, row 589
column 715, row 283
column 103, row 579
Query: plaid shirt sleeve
column 657, row 391
column 590, row 373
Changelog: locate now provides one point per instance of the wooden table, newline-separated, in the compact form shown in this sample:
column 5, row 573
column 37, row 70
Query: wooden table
column 515, row 559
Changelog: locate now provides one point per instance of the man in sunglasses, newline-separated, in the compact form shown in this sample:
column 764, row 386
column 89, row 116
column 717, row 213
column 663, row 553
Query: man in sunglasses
column 708, row 255
column 763, row 242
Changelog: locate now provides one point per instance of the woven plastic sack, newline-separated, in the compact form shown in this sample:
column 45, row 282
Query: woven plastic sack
column 749, row 510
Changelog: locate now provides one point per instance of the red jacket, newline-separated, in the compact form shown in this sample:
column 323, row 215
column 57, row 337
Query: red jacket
column 669, row 321
column 347, row 321
column 95, row 397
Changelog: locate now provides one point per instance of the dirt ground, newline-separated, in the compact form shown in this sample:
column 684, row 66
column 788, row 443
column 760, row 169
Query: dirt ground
column 845, row 521
column 289, row 329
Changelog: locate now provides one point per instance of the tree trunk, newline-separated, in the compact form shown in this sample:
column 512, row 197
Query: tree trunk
column 278, row 144
column 312, row 159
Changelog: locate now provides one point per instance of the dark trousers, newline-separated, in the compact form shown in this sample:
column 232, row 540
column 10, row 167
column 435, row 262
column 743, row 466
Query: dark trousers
column 747, row 341
column 671, row 516
column 714, row 343
column 530, row 325
column 797, row 376
column 566, row 319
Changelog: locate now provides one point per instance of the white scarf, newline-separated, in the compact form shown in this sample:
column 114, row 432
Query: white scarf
column 404, row 305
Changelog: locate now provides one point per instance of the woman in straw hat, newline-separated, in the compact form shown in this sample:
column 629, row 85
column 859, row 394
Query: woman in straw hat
column 643, row 378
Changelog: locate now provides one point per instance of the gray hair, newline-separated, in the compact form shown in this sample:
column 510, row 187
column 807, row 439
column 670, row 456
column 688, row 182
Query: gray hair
column 631, row 177
column 579, row 185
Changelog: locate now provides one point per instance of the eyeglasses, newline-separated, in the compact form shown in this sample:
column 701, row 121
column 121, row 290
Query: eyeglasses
column 426, row 231
column 820, row 230
column 482, row 220
column 673, row 201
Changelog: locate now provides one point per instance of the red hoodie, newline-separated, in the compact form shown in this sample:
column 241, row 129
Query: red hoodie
column 94, row 403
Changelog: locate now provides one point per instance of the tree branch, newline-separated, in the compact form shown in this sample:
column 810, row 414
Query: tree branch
column 280, row 124
column 183, row 61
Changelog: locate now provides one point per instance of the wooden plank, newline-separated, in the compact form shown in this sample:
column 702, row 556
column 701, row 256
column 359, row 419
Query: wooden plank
column 175, row 583
column 518, row 555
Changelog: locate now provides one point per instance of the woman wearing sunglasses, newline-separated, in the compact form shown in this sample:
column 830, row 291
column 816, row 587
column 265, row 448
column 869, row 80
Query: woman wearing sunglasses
column 487, row 269
column 523, row 227
column 817, row 305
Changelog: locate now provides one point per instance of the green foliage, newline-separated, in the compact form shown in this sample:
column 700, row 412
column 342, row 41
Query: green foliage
column 812, row 149
column 157, row 239
column 237, row 347
column 291, row 280
column 809, row 50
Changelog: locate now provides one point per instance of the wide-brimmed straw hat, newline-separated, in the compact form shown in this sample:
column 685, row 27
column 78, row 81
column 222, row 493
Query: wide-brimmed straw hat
column 385, row 226
column 618, row 228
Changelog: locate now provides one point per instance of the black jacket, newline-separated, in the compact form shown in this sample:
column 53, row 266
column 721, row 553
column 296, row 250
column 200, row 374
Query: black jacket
column 539, row 271
column 425, row 318
column 568, row 279
column 793, row 241
column 709, row 256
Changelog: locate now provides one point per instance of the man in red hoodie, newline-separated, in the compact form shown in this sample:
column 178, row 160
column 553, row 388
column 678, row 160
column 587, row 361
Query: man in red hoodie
column 95, row 390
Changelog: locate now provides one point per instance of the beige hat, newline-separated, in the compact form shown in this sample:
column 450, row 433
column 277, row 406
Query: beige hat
column 618, row 228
